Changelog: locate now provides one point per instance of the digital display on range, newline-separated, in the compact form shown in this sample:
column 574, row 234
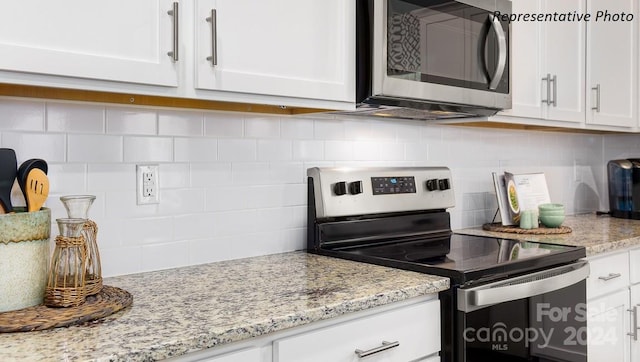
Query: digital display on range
column 393, row 185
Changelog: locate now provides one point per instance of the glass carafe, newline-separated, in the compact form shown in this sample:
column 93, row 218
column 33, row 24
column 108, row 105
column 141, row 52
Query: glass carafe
column 66, row 284
column 77, row 206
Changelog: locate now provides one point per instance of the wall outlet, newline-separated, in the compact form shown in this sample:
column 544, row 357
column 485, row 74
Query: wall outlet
column 147, row 184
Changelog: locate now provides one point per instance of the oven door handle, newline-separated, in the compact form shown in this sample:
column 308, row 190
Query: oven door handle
column 522, row 287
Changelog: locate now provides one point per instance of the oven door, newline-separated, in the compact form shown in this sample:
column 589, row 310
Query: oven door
column 442, row 50
column 535, row 317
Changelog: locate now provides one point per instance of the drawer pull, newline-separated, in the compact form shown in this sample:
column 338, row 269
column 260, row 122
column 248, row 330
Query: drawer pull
column 634, row 321
column 610, row 276
column 385, row 346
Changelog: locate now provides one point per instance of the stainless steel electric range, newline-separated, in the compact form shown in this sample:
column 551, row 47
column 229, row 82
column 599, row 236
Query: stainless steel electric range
column 509, row 300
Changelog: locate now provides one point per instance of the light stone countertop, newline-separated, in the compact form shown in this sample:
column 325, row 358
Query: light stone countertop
column 188, row 309
column 598, row 234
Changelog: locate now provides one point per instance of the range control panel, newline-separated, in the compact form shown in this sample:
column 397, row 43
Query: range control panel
column 360, row 191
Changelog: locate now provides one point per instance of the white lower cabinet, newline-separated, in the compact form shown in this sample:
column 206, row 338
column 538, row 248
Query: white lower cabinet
column 613, row 303
column 411, row 327
column 400, row 335
column 608, row 323
column 246, row 355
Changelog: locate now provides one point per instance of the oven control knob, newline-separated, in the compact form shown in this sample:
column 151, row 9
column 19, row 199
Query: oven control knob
column 444, row 184
column 355, row 187
column 340, row 188
column 432, row 184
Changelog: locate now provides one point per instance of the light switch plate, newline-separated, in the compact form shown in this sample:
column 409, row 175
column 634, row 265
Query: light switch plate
column 147, row 191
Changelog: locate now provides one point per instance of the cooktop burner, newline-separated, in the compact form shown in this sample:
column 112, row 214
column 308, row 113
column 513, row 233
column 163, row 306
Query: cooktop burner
column 465, row 257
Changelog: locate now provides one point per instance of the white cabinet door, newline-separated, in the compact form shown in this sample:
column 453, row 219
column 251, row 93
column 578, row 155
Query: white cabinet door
column 608, row 325
column 293, row 48
column 612, row 65
column 413, row 331
column 635, row 323
column 526, row 73
column 249, row 355
column 564, row 48
column 115, row 40
column 548, row 72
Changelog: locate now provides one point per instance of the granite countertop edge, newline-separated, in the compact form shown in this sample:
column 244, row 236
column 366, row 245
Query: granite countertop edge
column 280, row 323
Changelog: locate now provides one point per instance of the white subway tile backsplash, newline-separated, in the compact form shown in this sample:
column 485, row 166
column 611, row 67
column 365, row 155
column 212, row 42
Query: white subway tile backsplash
column 75, row 118
column 131, row 121
column 308, row 150
column 111, row 177
column 223, row 125
column 416, row 151
column 274, row 150
column 296, row 128
column 338, row 150
column 181, row 201
column 366, row 151
column 66, row 178
column 194, row 226
column 328, row 129
column 50, row 147
column 94, row 148
column 22, row 115
column 148, row 231
column 173, row 175
column 226, row 198
column 164, row 256
column 195, row 149
column 233, row 185
column 205, row 175
column 237, row 150
column 262, row 127
column 122, row 260
column 148, row 149
column 175, row 123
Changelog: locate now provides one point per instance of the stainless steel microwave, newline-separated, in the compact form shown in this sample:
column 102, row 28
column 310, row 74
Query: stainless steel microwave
column 429, row 59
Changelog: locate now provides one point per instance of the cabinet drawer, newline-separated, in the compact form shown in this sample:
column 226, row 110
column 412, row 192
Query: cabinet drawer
column 608, row 273
column 416, row 328
column 634, row 266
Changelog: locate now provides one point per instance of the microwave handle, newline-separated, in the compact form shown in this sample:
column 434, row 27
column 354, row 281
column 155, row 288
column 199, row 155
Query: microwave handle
column 525, row 286
column 502, row 52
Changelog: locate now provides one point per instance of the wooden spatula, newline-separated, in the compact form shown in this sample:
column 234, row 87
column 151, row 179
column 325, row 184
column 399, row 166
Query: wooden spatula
column 37, row 189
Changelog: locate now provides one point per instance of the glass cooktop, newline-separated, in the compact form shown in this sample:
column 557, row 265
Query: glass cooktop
column 466, row 257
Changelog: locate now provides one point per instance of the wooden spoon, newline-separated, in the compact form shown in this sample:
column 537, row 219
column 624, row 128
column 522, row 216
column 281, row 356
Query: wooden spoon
column 37, row 189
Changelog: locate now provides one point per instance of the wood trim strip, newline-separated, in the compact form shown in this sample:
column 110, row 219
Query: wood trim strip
column 29, row 91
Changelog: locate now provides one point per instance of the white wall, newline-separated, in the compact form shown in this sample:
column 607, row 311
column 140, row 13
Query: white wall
column 232, row 185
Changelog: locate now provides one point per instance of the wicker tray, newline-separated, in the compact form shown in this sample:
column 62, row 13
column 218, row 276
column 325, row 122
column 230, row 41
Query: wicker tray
column 542, row 230
column 105, row 303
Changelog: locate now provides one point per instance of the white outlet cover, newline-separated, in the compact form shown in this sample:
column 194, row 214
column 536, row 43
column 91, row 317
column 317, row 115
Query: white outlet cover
column 147, row 185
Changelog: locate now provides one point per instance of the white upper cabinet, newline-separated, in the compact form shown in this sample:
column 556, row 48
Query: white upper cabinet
column 293, row 48
column 297, row 53
column 548, row 63
column 115, row 40
column 564, row 62
column 612, row 65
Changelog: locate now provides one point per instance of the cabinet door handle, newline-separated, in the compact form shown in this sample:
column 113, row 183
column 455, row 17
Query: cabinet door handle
column 610, row 276
column 634, row 322
column 546, row 80
column 174, row 13
column 554, row 80
column 214, row 38
column 597, row 89
column 385, row 346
